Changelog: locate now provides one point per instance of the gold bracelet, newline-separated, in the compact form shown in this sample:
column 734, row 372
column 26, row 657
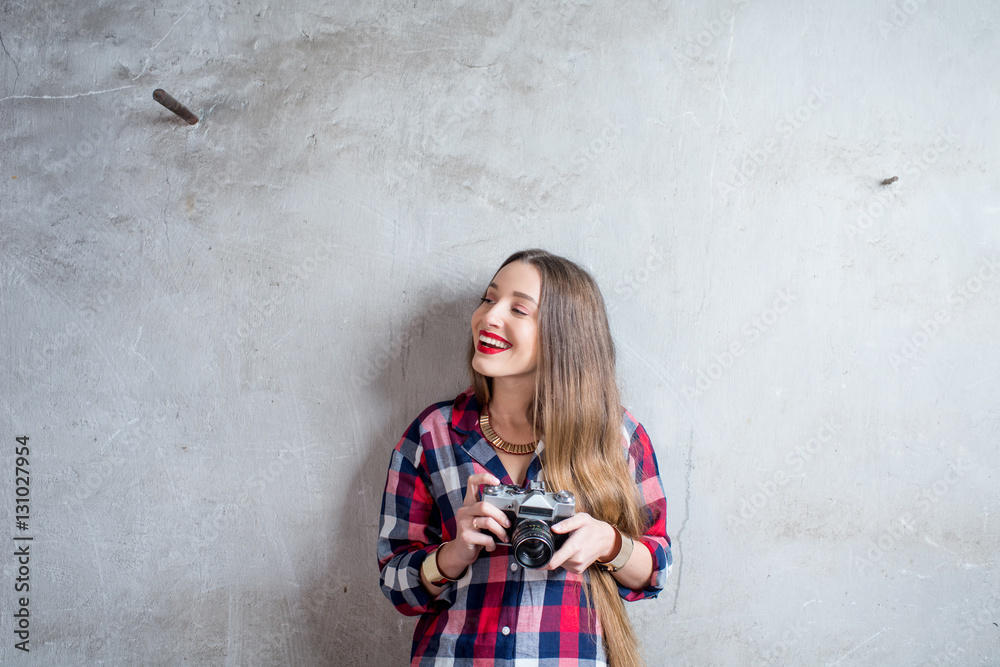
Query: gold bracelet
column 624, row 552
column 429, row 568
column 615, row 549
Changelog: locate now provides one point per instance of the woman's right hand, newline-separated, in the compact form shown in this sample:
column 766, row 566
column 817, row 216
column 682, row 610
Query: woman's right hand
column 474, row 516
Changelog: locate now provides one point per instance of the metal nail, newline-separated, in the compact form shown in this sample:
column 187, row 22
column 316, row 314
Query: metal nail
column 166, row 100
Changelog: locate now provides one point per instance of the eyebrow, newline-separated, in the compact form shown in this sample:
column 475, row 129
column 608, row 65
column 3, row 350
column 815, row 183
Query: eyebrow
column 520, row 295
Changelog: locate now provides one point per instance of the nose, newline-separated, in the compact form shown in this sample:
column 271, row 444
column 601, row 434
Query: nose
column 492, row 316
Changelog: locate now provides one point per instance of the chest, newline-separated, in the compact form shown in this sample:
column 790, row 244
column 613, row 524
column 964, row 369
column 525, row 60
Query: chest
column 516, row 465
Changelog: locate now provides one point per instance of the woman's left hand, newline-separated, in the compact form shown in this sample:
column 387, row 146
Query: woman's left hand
column 589, row 539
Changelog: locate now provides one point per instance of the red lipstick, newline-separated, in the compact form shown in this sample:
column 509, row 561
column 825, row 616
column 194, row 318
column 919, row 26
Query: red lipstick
column 490, row 343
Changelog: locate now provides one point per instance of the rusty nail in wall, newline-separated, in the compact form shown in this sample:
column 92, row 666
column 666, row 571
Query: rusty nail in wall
column 166, row 100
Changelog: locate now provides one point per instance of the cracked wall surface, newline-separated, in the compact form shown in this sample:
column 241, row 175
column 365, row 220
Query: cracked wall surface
column 213, row 334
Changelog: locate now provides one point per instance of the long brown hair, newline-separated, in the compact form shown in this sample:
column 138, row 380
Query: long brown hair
column 577, row 410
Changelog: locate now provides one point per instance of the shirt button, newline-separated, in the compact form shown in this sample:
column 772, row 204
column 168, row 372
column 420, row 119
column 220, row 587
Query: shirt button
column 506, row 630
column 513, row 567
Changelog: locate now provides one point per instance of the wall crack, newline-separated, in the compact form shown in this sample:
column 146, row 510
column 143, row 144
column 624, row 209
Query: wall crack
column 17, row 70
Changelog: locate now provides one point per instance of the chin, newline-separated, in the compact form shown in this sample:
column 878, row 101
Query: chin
column 479, row 364
column 484, row 367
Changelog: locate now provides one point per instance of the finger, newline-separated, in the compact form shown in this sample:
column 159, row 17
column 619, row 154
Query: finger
column 488, row 526
column 558, row 558
column 575, row 522
column 475, row 481
column 493, row 525
column 570, row 559
column 476, row 539
column 495, row 513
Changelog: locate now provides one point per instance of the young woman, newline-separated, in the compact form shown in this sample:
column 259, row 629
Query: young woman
column 543, row 407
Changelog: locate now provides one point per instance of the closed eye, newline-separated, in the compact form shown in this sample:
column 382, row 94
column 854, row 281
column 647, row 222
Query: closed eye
column 517, row 310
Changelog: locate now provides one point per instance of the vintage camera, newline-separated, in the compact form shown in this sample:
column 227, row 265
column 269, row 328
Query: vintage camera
column 532, row 512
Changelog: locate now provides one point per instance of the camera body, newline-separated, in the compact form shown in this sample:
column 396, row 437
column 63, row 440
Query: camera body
column 531, row 511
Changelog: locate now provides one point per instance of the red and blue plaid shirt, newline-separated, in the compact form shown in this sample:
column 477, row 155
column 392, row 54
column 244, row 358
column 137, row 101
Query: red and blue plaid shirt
column 498, row 613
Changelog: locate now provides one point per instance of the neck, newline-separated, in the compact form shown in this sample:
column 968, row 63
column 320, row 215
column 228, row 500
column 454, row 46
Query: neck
column 510, row 400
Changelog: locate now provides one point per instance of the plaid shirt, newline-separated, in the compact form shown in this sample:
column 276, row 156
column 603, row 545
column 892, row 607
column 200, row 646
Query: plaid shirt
column 498, row 613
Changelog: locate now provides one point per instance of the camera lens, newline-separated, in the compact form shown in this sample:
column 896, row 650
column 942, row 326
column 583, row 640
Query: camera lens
column 532, row 543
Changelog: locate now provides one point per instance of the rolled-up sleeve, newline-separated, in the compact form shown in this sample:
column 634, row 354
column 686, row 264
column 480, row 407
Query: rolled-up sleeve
column 409, row 528
column 642, row 463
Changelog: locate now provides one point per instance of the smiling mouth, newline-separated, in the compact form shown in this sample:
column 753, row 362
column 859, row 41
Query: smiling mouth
column 492, row 344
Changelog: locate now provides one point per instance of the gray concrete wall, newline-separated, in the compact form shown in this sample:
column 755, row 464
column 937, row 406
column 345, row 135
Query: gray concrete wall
column 214, row 334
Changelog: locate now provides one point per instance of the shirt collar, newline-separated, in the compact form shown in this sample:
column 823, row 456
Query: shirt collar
column 465, row 412
column 465, row 420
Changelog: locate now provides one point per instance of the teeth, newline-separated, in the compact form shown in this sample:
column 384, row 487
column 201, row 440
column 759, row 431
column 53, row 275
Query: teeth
column 493, row 342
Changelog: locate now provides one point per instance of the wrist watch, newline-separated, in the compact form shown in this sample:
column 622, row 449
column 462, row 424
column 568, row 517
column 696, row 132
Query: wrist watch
column 430, row 570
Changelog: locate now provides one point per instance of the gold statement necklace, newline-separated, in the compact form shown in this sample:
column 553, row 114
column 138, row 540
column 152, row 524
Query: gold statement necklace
column 500, row 443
